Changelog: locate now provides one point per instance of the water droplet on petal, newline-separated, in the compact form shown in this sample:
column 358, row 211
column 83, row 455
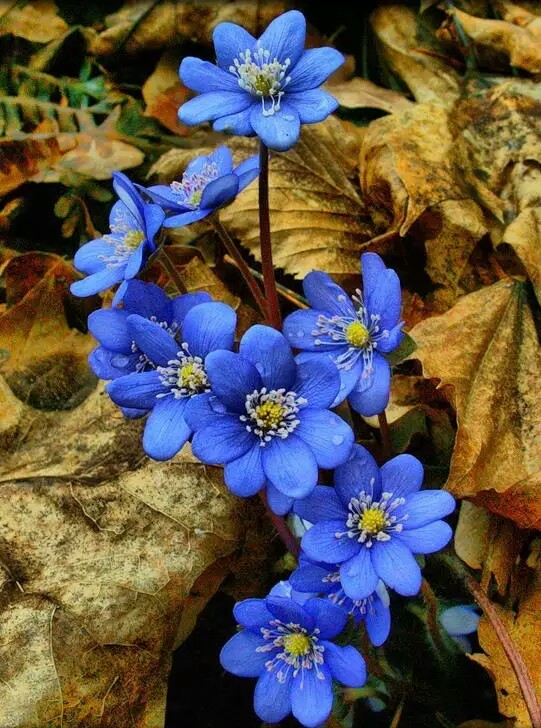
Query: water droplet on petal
column 288, row 117
column 300, row 333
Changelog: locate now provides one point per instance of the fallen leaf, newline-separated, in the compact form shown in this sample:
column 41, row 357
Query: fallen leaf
column 402, row 39
column 146, row 24
column 486, row 347
column 163, row 93
column 21, row 161
column 359, row 93
column 34, row 20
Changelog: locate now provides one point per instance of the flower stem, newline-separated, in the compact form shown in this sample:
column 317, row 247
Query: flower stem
column 271, row 294
column 289, row 540
column 385, row 436
column 241, row 264
column 169, row 267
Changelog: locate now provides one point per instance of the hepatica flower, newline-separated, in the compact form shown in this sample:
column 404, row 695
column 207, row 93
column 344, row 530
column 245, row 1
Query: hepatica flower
column 354, row 332
column 288, row 647
column 319, row 578
column 275, row 424
column 119, row 255
column 374, row 521
column 459, row 622
column 208, row 183
column 267, row 87
column 179, row 376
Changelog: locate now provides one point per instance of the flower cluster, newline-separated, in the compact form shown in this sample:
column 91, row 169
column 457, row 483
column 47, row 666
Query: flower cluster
column 265, row 408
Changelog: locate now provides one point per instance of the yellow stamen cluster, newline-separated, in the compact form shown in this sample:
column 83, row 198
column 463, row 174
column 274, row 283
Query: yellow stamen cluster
column 297, row 644
column 269, row 414
column 357, row 334
column 133, row 238
column 191, row 377
column 373, row 520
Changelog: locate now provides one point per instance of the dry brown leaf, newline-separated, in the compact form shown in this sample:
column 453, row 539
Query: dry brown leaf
column 359, row 93
column 486, row 347
column 164, row 93
column 146, row 24
column 429, row 78
column 44, row 360
column 318, row 219
column 406, row 172
column 516, row 37
column 100, row 550
column 35, row 20
column 22, row 160
column 524, row 627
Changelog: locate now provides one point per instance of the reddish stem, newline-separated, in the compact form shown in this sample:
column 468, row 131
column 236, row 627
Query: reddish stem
column 273, row 305
column 385, row 436
column 289, row 540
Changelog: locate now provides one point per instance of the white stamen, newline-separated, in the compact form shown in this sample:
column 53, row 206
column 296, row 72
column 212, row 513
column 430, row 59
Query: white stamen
column 260, row 76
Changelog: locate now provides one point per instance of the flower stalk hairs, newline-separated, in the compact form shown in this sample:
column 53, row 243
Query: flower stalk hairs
column 264, row 404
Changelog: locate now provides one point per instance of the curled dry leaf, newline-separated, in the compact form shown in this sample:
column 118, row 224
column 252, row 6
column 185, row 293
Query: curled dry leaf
column 359, row 93
column 164, row 93
column 22, row 160
column 403, row 44
column 34, row 20
column 100, row 550
column 146, row 24
column 487, row 348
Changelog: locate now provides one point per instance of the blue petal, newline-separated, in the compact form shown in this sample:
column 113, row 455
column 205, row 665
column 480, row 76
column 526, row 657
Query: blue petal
column 327, row 435
column 133, row 413
column 426, row 506
column 272, row 702
column 219, row 191
column 325, row 295
column 318, row 381
column 108, row 364
column 135, row 261
column 271, row 355
column 128, row 195
column 278, row 502
column 137, row 390
column 310, row 578
column 252, row 614
column 213, row 105
column 312, row 696
column 313, row 68
column 359, row 473
column 290, row 466
column 288, row 611
column 232, row 377
column 391, row 342
column 373, row 400
column 427, row 539
column 346, row 664
column 244, row 476
column 247, row 171
column 349, row 378
column 185, row 218
column 284, row 37
column 278, row 131
column 97, row 282
column 403, row 476
column 358, row 576
column 459, row 620
column 208, row 327
column 223, row 159
column 166, row 430
column 203, row 76
column 238, row 124
column 239, row 655
column 109, row 327
column 322, row 504
column 299, row 328
column 320, row 543
column 396, row 567
column 154, row 216
column 378, row 622
column 371, row 268
column 200, row 410
column 329, row 618
column 88, row 259
column 147, row 299
column 119, row 294
column 155, row 342
column 386, row 299
column 164, row 196
column 312, row 106
column 182, row 304
column 221, row 440
column 231, row 39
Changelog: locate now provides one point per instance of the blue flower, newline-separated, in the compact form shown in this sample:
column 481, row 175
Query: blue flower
column 288, row 647
column 275, row 423
column 120, row 255
column 354, row 332
column 180, row 375
column 208, row 183
column 459, row 622
column 267, row 87
column 374, row 521
column 320, row 578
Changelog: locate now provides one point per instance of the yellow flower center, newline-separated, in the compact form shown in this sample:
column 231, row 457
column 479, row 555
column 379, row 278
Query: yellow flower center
column 357, row 334
column 373, row 520
column 269, row 414
column 191, row 377
column 134, row 238
column 297, row 644
column 263, row 83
